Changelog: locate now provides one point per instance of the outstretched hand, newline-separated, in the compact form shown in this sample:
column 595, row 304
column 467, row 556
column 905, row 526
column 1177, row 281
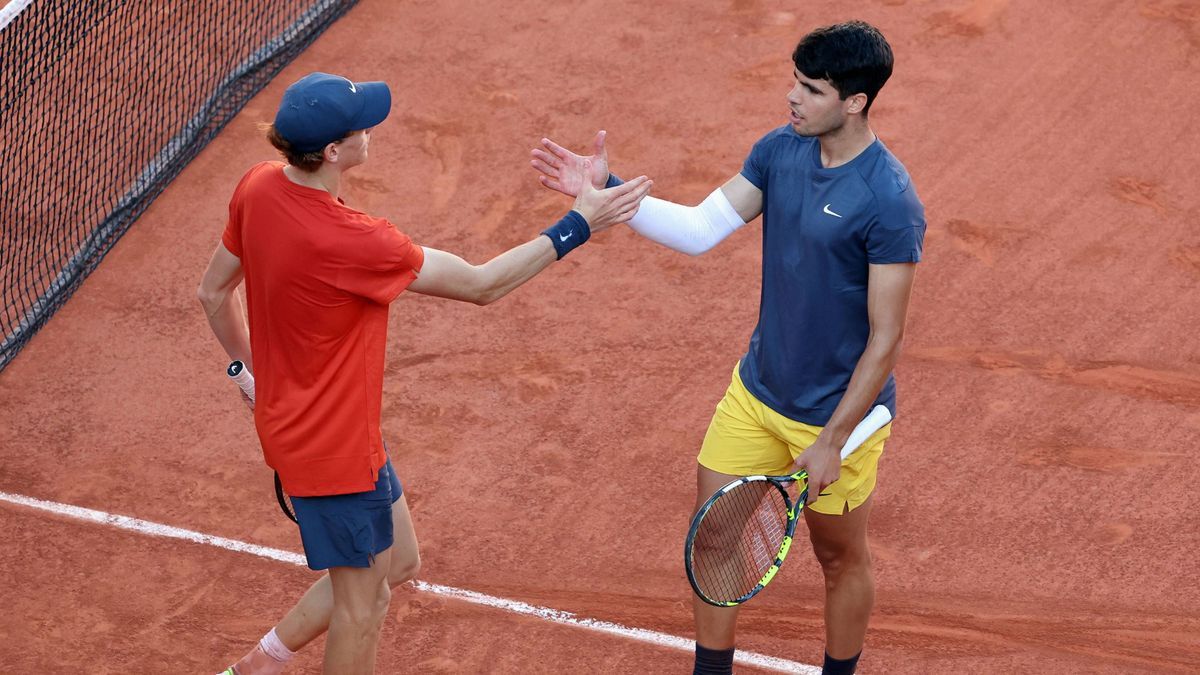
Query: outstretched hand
column 565, row 171
column 604, row 208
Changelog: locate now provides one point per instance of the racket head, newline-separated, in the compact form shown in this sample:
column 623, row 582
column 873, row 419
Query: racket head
column 739, row 538
column 285, row 502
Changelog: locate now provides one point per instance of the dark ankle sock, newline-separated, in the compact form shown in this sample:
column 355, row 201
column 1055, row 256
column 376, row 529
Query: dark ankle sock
column 713, row 661
column 840, row 666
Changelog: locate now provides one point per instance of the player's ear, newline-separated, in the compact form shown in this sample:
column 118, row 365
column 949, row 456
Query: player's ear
column 856, row 103
column 331, row 152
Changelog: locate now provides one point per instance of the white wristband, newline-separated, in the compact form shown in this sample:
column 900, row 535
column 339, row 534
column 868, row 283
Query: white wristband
column 687, row 229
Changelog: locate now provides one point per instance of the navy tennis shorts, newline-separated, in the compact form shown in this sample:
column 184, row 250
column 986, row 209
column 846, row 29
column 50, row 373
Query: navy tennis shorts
column 349, row 530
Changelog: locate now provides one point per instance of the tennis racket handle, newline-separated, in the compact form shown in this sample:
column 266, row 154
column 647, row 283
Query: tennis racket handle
column 240, row 374
column 873, row 422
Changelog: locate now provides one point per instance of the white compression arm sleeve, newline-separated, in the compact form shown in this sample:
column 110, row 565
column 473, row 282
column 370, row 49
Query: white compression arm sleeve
column 687, row 229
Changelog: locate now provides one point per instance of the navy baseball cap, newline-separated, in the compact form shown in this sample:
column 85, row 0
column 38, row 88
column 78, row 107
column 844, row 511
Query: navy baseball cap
column 321, row 108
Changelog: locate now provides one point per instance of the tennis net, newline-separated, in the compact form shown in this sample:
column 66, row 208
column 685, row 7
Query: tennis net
column 102, row 103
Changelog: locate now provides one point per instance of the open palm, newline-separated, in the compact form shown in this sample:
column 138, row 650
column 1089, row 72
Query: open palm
column 565, row 171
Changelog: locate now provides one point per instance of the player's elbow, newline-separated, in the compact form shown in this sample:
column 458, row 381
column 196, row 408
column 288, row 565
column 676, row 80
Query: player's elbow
column 887, row 343
column 209, row 299
column 455, row 279
column 489, row 286
column 487, row 295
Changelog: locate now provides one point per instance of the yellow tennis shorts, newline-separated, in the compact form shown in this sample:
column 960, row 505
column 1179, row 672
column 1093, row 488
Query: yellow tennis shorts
column 746, row 438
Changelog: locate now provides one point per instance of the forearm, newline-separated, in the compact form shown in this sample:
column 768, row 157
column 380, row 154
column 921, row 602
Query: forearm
column 870, row 374
column 504, row 273
column 694, row 229
column 228, row 323
column 449, row 276
column 687, row 229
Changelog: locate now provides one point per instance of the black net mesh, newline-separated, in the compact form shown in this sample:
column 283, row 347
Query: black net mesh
column 102, row 103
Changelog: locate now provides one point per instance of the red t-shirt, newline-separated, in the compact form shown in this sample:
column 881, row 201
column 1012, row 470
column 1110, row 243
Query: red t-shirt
column 319, row 279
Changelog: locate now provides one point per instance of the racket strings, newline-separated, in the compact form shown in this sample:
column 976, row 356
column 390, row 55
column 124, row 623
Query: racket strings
column 738, row 540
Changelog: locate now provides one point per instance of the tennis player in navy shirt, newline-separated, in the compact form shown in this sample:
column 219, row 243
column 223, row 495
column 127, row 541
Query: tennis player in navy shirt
column 842, row 233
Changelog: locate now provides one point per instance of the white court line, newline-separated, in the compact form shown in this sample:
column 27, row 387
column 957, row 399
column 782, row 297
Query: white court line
column 515, row 606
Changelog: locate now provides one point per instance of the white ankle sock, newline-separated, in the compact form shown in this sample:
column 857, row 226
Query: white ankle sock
column 272, row 646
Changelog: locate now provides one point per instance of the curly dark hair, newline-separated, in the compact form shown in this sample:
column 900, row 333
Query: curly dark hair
column 853, row 56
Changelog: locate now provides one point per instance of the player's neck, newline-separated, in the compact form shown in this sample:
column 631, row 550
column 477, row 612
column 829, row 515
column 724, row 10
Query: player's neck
column 845, row 143
column 327, row 178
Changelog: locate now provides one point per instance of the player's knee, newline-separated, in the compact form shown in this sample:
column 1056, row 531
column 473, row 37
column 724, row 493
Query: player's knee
column 373, row 613
column 719, row 537
column 383, row 597
column 836, row 560
column 366, row 616
column 404, row 568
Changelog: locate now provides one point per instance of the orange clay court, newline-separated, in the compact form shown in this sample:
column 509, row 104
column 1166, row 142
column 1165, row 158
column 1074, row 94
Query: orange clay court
column 1035, row 511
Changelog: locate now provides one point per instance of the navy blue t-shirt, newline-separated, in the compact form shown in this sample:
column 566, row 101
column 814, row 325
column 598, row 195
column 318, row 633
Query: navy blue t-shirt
column 821, row 228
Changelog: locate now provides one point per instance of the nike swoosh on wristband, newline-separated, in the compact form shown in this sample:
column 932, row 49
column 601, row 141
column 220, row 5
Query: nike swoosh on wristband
column 564, row 237
column 826, row 210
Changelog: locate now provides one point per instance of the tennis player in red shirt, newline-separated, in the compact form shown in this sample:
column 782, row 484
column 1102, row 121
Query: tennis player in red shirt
column 320, row 277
